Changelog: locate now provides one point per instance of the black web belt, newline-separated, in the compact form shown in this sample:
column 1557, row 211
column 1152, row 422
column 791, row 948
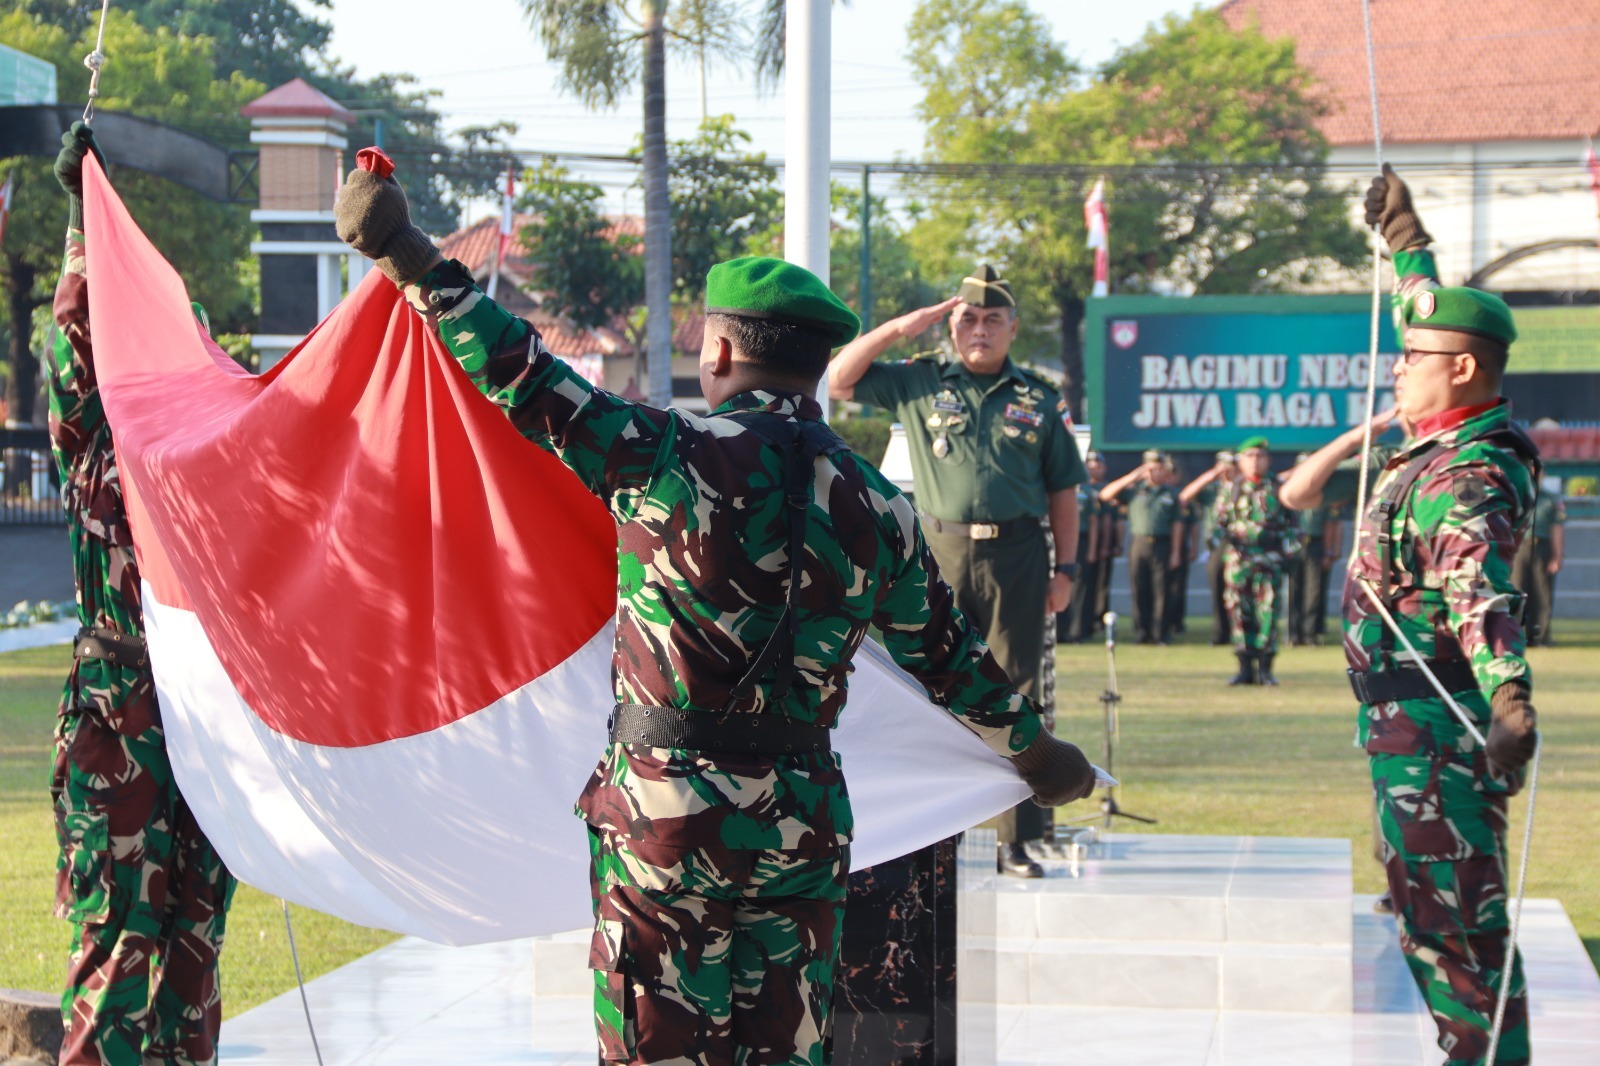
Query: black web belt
column 760, row 734
column 978, row 530
column 1407, row 682
column 119, row 649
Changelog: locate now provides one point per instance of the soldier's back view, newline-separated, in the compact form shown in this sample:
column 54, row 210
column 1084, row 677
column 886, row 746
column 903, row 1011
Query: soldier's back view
column 753, row 552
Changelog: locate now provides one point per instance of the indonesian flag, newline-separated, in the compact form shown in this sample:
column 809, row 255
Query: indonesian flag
column 5, row 204
column 503, row 249
column 381, row 621
column 1098, row 222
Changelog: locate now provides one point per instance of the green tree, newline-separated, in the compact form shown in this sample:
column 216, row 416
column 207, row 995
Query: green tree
column 723, row 197
column 160, row 75
column 898, row 282
column 593, row 275
column 1207, row 137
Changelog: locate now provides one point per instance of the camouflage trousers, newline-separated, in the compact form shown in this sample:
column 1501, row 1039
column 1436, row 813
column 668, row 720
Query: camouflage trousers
column 1443, row 828
column 1251, row 591
column 714, row 956
column 147, row 897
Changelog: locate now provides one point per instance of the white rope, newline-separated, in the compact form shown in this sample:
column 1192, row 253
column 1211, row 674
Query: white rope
column 94, row 61
column 1516, row 911
column 299, row 978
column 1377, row 293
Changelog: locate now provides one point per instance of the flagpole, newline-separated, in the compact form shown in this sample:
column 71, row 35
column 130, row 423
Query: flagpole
column 505, row 228
column 808, row 153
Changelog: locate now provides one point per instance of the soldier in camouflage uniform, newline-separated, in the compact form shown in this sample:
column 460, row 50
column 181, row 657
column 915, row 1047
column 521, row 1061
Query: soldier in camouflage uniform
column 753, row 553
column 1256, row 535
column 144, row 890
column 1446, row 514
column 1539, row 560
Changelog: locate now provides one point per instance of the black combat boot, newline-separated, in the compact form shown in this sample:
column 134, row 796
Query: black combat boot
column 1013, row 860
column 1247, row 669
column 1265, row 666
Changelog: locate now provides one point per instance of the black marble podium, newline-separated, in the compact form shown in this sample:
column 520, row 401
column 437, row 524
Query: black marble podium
column 895, row 1002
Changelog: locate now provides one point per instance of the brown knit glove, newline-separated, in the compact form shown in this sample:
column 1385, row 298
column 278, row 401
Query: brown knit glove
column 1512, row 736
column 1055, row 770
column 1389, row 208
column 372, row 216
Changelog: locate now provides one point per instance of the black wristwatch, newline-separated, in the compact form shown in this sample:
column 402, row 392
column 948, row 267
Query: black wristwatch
column 1070, row 569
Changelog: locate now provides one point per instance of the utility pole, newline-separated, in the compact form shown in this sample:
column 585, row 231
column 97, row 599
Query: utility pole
column 809, row 37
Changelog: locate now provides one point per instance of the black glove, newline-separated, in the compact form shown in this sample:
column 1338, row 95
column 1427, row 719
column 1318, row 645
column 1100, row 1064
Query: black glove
column 1055, row 770
column 372, row 216
column 1512, row 733
column 76, row 143
column 1389, row 208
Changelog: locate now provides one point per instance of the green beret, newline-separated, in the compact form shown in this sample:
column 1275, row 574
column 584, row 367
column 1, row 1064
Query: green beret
column 759, row 287
column 1255, row 442
column 1462, row 310
column 986, row 288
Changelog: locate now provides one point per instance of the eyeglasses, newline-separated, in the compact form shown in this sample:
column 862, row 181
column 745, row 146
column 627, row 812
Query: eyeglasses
column 1409, row 356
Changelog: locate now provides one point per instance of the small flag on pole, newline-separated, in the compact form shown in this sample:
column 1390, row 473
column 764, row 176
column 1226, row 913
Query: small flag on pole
column 5, row 204
column 504, row 247
column 1098, row 222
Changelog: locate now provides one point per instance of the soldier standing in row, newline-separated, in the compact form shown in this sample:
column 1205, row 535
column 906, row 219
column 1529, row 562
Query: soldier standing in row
column 755, row 552
column 1539, row 561
column 145, row 891
column 1076, row 624
column 1185, row 549
column 1147, row 493
column 991, row 454
column 1257, row 535
column 1204, row 501
column 1435, row 546
column 1306, row 587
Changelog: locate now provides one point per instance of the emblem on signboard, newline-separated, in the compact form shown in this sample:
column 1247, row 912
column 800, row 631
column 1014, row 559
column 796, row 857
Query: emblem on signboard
column 1124, row 333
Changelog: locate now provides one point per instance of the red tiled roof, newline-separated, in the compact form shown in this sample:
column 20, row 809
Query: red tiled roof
column 1492, row 70
column 297, row 99
column 1571, row 443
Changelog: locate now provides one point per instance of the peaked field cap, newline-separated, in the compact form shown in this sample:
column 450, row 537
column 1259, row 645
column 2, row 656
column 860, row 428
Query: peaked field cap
column 986, row 288
column 762, row 287
column 1462, row 310
column 1255, row 442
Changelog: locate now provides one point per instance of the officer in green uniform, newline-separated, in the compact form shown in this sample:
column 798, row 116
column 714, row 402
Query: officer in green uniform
column 1152, row 505
column 1185, row 548
column 1539, row 561
column 1446, row 513
column 1079, row 622
column 991, row 456
column 755, row 551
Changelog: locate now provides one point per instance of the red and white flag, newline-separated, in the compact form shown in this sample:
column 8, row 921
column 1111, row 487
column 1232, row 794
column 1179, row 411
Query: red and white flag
column 1098, row 222
column 1592, row 161
column 380, row 620
column 503, row 249
column 5, row 204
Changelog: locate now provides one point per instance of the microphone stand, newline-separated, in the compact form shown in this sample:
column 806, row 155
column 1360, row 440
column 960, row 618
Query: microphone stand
column 1109, row 699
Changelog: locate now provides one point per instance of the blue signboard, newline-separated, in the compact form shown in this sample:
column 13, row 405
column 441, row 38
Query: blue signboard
column 1208, row 371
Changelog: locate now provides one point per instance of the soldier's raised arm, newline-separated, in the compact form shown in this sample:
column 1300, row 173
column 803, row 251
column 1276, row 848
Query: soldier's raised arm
column 856, row 358
column 609, row 442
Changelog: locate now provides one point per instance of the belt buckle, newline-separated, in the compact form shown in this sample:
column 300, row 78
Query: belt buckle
column 985, row 530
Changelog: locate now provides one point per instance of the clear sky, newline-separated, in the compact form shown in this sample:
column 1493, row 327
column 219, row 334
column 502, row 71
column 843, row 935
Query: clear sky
column 488, row 66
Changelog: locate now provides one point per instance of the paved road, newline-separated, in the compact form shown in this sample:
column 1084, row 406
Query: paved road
column 35, row 564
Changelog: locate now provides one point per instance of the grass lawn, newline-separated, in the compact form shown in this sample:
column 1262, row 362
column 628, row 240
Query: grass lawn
column 1201, row 757
column 1205, row 758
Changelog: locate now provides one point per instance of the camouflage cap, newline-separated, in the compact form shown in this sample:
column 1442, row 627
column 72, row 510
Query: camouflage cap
column 1255, row 442
column 1224, row 456
column 761, row 287
column 1151, row 455
column 1461, row 310
column 986, row 288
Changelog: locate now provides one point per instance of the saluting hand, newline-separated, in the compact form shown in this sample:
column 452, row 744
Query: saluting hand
column 915, row 323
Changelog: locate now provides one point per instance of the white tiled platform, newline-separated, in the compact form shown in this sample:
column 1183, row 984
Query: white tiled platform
column 415, row 1003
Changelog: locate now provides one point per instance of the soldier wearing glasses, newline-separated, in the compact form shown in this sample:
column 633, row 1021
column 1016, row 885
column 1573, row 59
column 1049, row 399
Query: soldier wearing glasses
column 1435, row 547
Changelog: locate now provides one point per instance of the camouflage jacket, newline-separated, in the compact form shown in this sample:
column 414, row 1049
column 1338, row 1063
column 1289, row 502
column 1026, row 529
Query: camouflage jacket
column 1248, row 517
column 702, row 577
column 1454, row 540
column 97, row 522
